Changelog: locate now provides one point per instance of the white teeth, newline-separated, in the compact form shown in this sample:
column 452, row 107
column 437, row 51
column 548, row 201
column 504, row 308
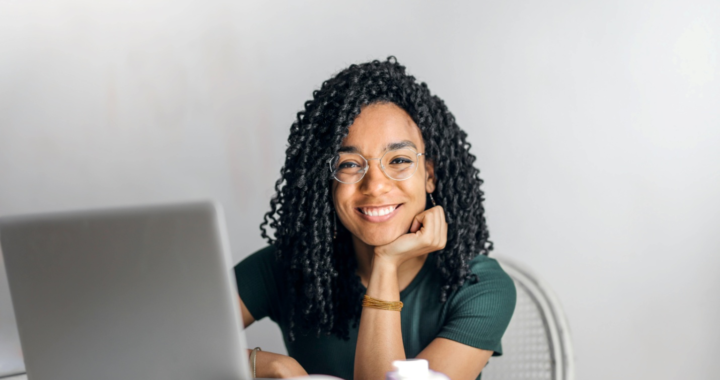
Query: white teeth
column 378, row 211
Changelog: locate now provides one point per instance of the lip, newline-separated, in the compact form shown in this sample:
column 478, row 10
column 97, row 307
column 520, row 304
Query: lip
column 379, row 218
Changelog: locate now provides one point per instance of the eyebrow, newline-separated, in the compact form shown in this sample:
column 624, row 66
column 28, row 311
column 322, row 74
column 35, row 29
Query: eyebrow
column 391, row 146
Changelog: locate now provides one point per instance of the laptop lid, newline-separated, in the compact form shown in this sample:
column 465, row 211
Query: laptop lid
column 134, row 293
column 11, row 360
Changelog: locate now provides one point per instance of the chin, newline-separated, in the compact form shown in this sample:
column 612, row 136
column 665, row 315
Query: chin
column 381, row 239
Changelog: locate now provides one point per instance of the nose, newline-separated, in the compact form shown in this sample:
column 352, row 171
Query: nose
column 375, row 182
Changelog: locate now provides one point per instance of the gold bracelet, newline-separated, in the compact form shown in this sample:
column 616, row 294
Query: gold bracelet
column 253, row 354
column 382, row 305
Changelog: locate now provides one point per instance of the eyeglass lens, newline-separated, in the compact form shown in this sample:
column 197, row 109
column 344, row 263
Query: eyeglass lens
column 397, row 164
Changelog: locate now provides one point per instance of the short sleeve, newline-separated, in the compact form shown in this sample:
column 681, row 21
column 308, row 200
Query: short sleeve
column 259, row 283
column 479, row 313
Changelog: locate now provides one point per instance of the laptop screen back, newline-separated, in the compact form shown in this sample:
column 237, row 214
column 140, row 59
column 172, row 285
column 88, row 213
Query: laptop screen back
column 11, row 361
column 141, row 293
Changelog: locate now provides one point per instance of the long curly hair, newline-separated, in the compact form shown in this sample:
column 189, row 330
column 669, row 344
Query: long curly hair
column 324, row 290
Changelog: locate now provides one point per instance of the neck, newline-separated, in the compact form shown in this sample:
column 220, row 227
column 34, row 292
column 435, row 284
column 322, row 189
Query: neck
column 365, row 255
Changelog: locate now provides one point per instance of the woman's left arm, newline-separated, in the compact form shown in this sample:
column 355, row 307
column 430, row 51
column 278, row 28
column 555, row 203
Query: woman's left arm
column 380, row 339
column 380, row 335
column 456, row 360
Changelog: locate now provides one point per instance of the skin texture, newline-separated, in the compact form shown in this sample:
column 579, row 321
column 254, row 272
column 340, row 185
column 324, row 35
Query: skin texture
column 389, row 253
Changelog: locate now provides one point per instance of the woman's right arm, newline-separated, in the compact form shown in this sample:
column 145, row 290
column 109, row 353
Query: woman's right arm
column 268, row 364
column 246, row 316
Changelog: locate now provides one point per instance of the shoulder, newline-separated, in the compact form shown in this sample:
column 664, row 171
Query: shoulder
column 261, row 266
column 260, row 283
column 488, row 269
column 264, row 257
column 479, row 311
column 493, row 291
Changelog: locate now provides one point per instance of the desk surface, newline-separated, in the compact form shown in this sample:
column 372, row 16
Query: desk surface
column 23, row 377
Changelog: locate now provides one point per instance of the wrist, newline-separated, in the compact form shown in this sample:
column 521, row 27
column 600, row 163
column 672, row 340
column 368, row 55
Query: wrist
column 383, row 283
column 384, row 263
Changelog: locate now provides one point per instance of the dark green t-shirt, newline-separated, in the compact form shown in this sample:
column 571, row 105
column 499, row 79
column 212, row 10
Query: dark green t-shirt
column 475, row 314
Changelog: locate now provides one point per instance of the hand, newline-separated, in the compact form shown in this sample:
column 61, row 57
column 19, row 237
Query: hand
column 271, row 365
column 428, row 233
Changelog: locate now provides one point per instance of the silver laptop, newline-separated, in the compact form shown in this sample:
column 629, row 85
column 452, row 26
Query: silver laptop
column 11, row 361
column 134, row 293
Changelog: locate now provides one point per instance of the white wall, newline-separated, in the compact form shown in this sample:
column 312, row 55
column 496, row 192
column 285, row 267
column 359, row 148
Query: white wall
column 596, row 125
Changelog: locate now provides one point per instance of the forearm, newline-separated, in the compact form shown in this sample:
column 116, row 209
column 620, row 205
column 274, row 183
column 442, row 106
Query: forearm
column 379, row 336
column 271, row 365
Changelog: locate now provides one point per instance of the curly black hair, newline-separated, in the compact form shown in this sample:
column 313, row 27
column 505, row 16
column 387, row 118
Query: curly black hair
column 325, row 291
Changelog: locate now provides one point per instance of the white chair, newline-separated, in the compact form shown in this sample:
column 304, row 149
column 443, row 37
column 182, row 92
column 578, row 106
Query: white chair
column 537, row 343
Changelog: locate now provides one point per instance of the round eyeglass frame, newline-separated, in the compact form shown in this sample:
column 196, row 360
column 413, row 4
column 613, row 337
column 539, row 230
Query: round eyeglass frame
column 367, row 166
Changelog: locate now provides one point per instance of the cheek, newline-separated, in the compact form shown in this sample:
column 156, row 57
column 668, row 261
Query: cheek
column 416, row 195
column 342, row 199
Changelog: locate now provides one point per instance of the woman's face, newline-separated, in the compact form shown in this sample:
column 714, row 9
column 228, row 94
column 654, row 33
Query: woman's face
column 378, row 126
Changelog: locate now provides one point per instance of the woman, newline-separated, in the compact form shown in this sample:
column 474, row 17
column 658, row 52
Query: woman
column 378, row 203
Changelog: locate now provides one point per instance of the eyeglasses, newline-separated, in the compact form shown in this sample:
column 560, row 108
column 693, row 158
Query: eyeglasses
column 397, row 164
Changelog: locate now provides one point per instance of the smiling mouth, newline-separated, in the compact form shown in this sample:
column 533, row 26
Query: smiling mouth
column 378, row 211
column 378, row 214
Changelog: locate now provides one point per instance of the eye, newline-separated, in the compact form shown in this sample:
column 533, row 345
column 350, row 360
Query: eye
column 400, row 161
column 347, row 165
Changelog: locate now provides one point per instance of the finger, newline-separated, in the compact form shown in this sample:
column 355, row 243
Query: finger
column 418, row 221
column 441, row 212
column 443, row 234
column 415, row 226
column 438, row 226
column 429, row 229
column 445, row 229
column 441, row 228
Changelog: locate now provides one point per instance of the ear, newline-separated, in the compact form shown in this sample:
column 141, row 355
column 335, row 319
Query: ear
column 430, row 179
